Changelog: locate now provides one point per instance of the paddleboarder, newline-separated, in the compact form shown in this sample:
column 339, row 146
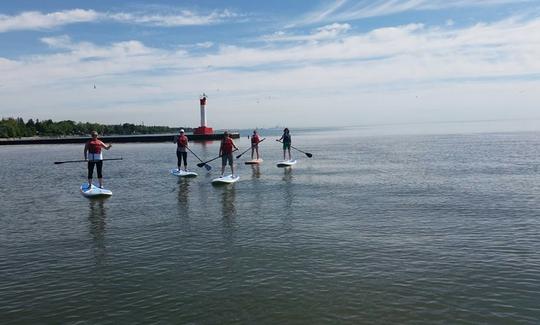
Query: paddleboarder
column 286, row 140
column 92, row 154
column 226, row 152
column 255, row 144
column 181, row 141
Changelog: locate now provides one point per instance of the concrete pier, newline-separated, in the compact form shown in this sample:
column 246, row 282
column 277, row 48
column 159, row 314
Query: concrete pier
column 116, row 138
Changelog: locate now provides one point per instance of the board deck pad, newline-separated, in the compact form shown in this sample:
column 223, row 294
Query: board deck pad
column 286, row 163
column 253, row 162
column 183, row 173
column 94, row 191
column 229, row 179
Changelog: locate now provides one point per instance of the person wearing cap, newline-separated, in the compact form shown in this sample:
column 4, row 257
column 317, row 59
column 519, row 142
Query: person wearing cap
column 181, row 141
column 255, row 144
column 92, row 153
column 226, row 152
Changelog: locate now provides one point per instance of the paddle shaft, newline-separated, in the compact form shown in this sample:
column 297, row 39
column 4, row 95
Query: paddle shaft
column 75, row 161
column 305, row 153
column 194, row 154
column 252, row 145
column 206, row 162
column 208, row 167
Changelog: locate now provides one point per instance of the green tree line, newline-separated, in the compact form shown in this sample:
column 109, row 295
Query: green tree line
column 17, row 127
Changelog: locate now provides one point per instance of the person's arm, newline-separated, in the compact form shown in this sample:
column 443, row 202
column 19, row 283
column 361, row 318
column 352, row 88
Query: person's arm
column 281, row 137
column 106, row 146
column 221, row 148
column 175, row 139
column 86, row 151
column 234, row 145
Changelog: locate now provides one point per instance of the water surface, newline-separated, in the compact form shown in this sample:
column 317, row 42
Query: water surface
column 425, row 228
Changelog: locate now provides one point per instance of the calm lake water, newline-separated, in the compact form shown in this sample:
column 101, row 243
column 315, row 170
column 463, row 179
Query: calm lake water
column 379, row 228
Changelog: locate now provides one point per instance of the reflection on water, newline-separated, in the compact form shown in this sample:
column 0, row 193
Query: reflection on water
column 228, row 210
column 96, row 216
column 288, row 194
column 287, row 174
column 255, row 171
column 228, row 196
column 183, row 194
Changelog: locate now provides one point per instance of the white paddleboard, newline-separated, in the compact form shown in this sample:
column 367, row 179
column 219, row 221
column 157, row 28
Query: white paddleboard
column 94, row 191
column 253, row 162
column 183, row 173
column 225, row 179
column 286, row 163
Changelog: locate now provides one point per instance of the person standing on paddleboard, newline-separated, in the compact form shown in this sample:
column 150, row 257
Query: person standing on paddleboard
column 92, row 153
column 181, row 141
column 255, row 144
column 226, row 152
column 286, row 140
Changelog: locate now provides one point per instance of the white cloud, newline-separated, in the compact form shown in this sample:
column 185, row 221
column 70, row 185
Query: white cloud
column 32, row 20
column 327, row 32
column 347, row 10
column 35, row 20
column 182, row 18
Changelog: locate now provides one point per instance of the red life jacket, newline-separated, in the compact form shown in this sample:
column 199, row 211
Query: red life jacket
column 94, row 146
column 227, row 145
column 255, row 139
column 182, row 141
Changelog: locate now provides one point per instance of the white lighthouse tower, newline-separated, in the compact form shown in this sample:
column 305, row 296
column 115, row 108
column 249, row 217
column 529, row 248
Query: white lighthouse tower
column 203, row 129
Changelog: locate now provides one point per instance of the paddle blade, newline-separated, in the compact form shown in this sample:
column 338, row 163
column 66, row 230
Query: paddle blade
column 208, row 167
column 309, row 155
column 200, row 164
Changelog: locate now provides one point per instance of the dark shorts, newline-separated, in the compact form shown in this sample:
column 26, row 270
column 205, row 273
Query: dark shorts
column 99, row 167
column 286, row 145
column 227, row 157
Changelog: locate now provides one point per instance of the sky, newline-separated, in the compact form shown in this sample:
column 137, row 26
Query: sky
column 302, row 63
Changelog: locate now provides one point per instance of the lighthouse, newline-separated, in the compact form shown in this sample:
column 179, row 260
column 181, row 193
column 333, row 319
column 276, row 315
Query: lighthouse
column 203, row 129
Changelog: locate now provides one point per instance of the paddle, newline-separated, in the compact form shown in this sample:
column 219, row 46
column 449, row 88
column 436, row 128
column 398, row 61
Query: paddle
column 208, row 167
column 206, row 162
column 74, row 161
column 305, row 153
column 240, row 155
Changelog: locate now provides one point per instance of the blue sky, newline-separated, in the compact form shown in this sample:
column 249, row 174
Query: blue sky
column 268, row 63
